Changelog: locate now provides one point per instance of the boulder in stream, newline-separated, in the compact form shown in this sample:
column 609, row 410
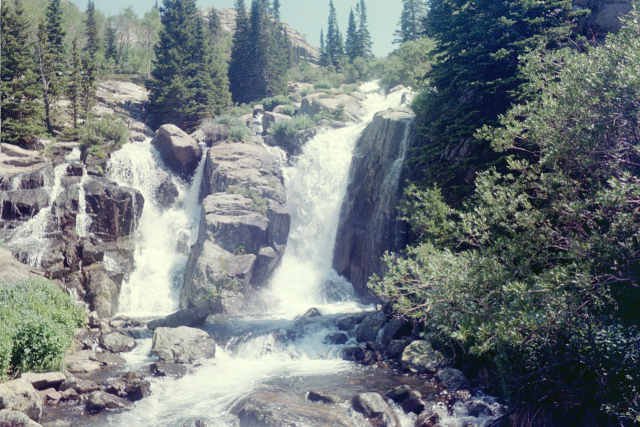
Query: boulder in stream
column 20, row 395
column 182, row 345
column 180, row 152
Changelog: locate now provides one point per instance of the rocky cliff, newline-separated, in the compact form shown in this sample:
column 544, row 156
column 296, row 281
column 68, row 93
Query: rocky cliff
column 369, row 223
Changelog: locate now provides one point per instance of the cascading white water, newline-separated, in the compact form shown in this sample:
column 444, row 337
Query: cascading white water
column 163, row 235
column 316, row 186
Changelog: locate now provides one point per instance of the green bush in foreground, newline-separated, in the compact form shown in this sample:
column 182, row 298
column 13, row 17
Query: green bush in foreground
column 103, row 135
column 537, row 277
column 38, row 323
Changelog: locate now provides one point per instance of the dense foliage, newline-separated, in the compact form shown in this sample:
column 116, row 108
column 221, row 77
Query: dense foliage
column 338, row 53
column 38, row 323
column 537, row 276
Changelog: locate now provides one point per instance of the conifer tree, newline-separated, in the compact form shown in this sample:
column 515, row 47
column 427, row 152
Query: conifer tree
column 90, row 60
column 411, row 21
column 213, row 24
column 276, row 10
column 75, row 83
column 365, row 44
column 333, row 43
column 240, row 55
column 216, row 64
column 111, row 48
column 324, row 57
column 352, row 42
column 21, row 110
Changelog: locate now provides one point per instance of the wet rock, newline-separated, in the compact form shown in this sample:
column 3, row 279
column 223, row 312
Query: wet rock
column 22, row 205
column 81, row 363
column 336, row 338
column 83, row 386
column 45, row 380
column 180, row 152
column 392, row 330
column 419, row 356
column 395, row 348
column 182, row 345
column 113, row 210
column 69, row 395
column 266, row 262
column 191, row 317
column 19, row 395
column 341, row 106
column 373, row 407
column 116, row 342
column 166, row 193
column 314, row 396
column 163, row 369
column 107, row 359
column 50, row 396
column 99, row 401
column 291, row 143
column 478, row 409
column 410, row 400
column 311, row 313
column 130, row 386
column 369, row 223
column 428, row 418
column 10, row 418
column 347, row 323
column 368, row 329
column 452, row 379
column 102, row 291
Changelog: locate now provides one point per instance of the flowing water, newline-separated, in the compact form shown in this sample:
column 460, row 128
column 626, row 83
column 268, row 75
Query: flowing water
column 252, row 357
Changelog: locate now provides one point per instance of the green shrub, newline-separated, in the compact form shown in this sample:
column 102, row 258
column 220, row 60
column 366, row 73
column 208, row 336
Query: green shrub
column 238, row 130
column 290, row 128
column 39, row 321
column 288, row 109
column 324, row 85
column 408, row 65
column 270, row 103
column 103, row 135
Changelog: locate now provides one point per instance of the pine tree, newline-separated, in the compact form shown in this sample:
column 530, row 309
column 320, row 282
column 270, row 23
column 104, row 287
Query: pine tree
column 240, row 55
column 111, row 48
column 276, row 10
column 411, row 21
column 75, row 83
column 365, row 44
column 213, row 24
column 180, row 85
column 324, row 57
column 52, row 60
column 352, row 48
column 216, row 64
column 21, row 110
column 333, row 44
column 90, row 60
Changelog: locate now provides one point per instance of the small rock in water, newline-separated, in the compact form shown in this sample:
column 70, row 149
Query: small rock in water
column 428, row 419
column 162, row 369
column 50, row 396
column 182, row 345
column 314, row 396
column 452, row 379
column 99, row 401
column 410, row 400
column 374, row 407
column 116, row 342
column 312, row 312
column 130, row 386
column 337, row 338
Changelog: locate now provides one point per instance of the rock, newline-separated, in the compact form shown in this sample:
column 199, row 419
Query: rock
column 395, row 348
column 266, row 262
column 11, row 270
column 369, row 223
column 392, row 330
column 45, row 380
column 173, row 370
column 22, row 205
column 368, row 329
column 113, row 210
column 291, row 143
column 19, row 395
column 81, row 363
column 116, row 342
column 419, row 356
column 85, row 386
column 99, row 401
column 314, row 396
column 130, row 386
column 309, row 314
column 452, row 379
column 211, row 133
column 180, row 152
column 347, row 323
column 166, row 193
column 478, row 408
column 182, row 345
column 283, row 110
column 341, row 106
column 107, row 359
column 336, row 338
column 69, row 395
column 50, row 396
column 191, row 317
column 428, row 418
column 359, row 354
column 269, row 119
column 409, row 400
column 9, row 418
column 258, row 109
column 373, row 407
column 102, row 291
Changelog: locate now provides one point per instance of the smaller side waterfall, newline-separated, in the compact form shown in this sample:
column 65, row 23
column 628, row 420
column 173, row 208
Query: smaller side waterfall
column 164, row 234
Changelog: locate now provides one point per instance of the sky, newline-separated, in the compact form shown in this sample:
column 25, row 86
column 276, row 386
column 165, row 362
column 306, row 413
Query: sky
column 307, row 16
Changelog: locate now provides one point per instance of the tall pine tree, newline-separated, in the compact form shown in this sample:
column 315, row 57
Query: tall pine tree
column 333, row 43
column 324, row 56
column 216, row 64
column 411, row 20
column 365, row 43
column 90, row 60
column 21, row 110
column 239, row 75
column 75, row 83
column 111, row 47
column 352, row 42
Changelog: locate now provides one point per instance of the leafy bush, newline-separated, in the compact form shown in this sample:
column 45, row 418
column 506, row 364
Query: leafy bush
column 38, row 323
column 101, row 136
column 407, row 66
column 290, row 128
column 288, row 109
column 238, row 130
column 536, row 277
column 271, row 103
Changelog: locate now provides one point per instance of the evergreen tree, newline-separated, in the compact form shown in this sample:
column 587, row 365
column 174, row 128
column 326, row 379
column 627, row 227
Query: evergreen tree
column 216, row 64
column 333, row 43
column 52, row 59
column 21, row 111
column 181, row 83
column 411, row 20
column 75, row 83
column 276, row 10
column 111, row 48
column 476, row 76
column 365, row 44
column 279, row 54
column 324, row 57
column 90, row 60
column 240, row 55
column 352, row 42
column 213, row 24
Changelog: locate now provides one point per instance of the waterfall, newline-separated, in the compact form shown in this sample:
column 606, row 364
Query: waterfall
column 316, row 185
column 164, row 234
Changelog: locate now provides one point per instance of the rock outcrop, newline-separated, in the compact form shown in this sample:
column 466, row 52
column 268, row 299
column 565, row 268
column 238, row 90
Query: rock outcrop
column 339, row 107
column 19, row 395
column 182, row 345
column 180, row 152
column 244, row 228
column 369, row 223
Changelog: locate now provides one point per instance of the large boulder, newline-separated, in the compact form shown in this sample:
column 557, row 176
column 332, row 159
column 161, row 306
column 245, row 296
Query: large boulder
column 373, row 407
column 99, row 401
column 420, row 357
column 245, row 225
column 116, row 342
column 180, row 152
column 114, row 211
column 44, row 380
column 369, row 223
column 341, row 106
column 10, row 418
column 182, row 345
column 20, row 395
column 103, row 292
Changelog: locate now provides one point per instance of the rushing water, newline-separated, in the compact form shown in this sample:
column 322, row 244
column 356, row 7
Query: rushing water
column 163, row 235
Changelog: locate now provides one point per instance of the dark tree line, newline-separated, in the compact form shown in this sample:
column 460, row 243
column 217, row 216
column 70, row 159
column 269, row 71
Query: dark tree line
column 261, row 52
column 334, row 49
